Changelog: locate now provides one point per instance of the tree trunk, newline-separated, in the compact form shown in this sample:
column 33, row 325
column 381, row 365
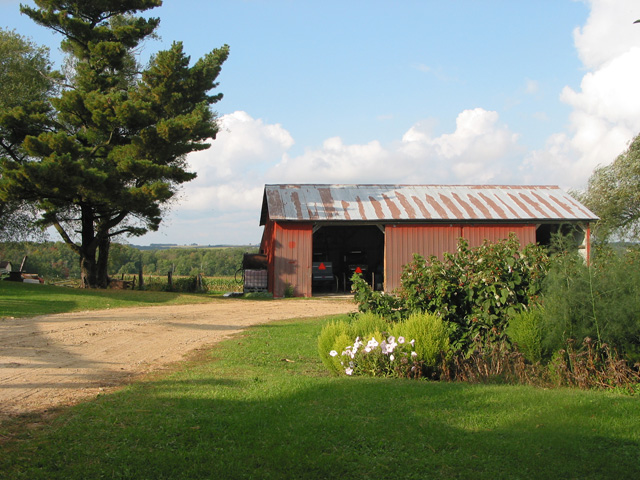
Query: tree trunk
column 88, row 269
column 94, row 268
column 102, row 274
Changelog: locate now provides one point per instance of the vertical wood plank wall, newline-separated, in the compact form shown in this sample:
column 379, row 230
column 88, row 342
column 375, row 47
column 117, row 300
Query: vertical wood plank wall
column 477, row 234
column 292, row 258
column 402, row 241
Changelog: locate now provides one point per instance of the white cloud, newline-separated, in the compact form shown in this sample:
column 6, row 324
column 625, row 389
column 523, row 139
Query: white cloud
column 605, row 108
column 608, row 33
column 236, row 161
column 476, row 152
column 473, row 153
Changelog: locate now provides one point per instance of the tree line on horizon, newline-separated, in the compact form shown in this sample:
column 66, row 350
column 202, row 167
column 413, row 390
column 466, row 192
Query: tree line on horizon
column 55, row 261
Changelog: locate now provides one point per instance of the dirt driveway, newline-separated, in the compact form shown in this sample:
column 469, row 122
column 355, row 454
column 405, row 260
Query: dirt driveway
column 56, row 360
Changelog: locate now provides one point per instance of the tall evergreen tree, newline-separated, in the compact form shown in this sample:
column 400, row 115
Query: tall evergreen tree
column 116, row 152
column 26, row 82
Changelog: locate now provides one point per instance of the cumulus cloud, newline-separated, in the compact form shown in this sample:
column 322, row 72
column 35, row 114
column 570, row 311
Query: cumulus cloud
column 476, row 151
column 604, row 115
column 230, row 170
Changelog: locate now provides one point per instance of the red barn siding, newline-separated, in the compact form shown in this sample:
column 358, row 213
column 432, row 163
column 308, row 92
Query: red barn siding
column 267, row 246
column 292, row 255
column 477, row 234
column 402, row 241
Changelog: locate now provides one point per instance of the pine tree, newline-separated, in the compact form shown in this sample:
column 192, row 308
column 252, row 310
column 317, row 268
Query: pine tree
column 116, row 152
column 26, row 82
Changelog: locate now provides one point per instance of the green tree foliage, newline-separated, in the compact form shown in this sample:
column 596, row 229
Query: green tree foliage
column 113, row 153
column 613, row 193
column 26, row 82
column 54, row 260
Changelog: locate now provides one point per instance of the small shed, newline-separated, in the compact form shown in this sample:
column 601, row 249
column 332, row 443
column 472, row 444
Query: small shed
column 376, row 229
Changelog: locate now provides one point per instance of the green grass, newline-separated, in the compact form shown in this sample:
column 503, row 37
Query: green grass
column 260, row 405
column 23, row 299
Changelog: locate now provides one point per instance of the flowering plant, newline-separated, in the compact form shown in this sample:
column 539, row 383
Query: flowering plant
column 390, row 357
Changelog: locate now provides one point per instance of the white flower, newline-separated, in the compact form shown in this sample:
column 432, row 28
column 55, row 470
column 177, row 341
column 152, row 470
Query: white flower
column 413, row 342
column 400, row 340
column 392, row 339
column 348, row 371
column 367, row 349
column 383, row 347
column 333, row 353
column 372, row 343
column 392, row 358
column 414, row 354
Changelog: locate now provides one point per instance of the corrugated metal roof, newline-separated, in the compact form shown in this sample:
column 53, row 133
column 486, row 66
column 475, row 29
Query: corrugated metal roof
column 374, row 203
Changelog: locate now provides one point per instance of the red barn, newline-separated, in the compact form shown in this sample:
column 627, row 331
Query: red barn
column 376, row 229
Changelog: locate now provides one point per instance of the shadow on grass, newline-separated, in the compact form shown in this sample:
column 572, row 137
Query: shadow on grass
column 249, row 414
column 332, row 428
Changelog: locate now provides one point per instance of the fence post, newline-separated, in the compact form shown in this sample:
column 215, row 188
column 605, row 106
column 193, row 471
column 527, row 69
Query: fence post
column 140, row 279
column 170, row 280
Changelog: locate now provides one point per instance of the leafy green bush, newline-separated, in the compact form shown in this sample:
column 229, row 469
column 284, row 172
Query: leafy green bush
column 474, row 290
column 370, row 301
column 430, row 334
column 525, row 330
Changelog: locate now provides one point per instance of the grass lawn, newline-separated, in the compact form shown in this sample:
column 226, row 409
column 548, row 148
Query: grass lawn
column 261, row 406
column 23, row 299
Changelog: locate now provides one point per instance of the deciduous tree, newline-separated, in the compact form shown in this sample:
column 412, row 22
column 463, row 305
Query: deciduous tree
column 613, row 193
column 115, row 153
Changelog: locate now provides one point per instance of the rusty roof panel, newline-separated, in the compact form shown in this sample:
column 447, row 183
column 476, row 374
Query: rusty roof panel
column 314, row 202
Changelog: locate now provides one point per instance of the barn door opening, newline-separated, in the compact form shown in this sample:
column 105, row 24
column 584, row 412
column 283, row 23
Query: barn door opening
column 339, row 251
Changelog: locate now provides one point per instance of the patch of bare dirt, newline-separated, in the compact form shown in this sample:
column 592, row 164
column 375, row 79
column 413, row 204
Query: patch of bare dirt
column 55, row 360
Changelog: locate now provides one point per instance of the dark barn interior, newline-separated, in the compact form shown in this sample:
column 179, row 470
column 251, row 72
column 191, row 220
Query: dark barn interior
column 349, row 248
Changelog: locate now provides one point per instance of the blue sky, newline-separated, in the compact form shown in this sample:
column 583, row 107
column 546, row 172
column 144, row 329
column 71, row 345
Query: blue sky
column 429, row 92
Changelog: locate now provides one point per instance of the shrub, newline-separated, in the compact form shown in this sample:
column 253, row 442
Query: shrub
column 378, row 355
column 378, row 303
column 474, row 290
column 327, row 343
column 366, row 324
column 600, row 301
column 185, row 284
column 525, row 330
column 430, row 334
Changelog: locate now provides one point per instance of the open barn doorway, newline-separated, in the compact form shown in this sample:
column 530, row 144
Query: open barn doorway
column 339, row 251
